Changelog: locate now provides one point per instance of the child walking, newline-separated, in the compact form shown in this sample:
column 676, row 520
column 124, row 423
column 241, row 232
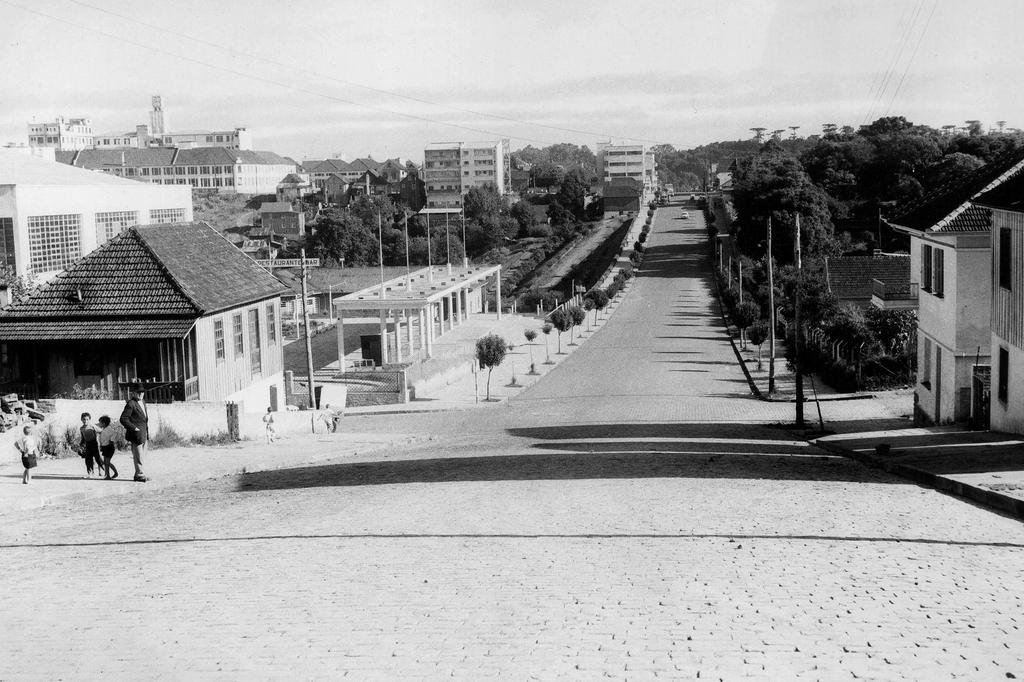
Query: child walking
column 90, row 449
column 29, row 449
column 106, row 441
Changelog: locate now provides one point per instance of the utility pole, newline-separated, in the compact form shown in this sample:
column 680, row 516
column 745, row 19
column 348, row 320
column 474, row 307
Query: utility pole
column 380, row 251
column 798, row 373
column 465, row 254
column 408, row 269
column 771, row 313
column 739, row 263
column 305, row 322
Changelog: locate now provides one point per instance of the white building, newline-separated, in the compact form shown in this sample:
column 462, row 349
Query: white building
column 216, row 168
column 52, row 214
column 628, row 161
column 950, row 250
column 63, row 134
column 450, row 169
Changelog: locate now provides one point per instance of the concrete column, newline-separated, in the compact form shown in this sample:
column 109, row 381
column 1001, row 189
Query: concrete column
column 429, row 314
column 408, row 331
column 497, row 293
column 423, row 328
column 398, row 335
column 458, row 306
column 340, row 330
column 383, row 337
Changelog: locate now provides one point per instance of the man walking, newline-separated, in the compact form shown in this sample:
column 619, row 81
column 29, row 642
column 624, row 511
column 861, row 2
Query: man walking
column 135, row 421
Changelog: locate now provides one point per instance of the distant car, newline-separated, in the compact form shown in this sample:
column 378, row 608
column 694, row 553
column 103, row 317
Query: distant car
column 693, row 197
column 686, row 214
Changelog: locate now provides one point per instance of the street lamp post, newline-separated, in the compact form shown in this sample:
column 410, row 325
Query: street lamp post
column 465, row 255
column 448, row 241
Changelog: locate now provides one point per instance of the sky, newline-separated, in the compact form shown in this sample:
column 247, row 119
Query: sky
column 317, row 79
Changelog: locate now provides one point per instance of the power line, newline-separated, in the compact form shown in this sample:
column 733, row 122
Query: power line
column 262, row 79
column 880, row 75
column 917, row 47
column 391, row 93
column 894, row 64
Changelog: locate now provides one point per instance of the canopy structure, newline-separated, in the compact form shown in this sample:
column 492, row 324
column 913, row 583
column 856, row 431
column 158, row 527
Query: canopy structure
column 434, row 300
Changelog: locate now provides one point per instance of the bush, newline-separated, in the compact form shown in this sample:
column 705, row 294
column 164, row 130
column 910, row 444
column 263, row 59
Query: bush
column 729, row 299
column 57, row 442
column 539, row 230
column 166, row 437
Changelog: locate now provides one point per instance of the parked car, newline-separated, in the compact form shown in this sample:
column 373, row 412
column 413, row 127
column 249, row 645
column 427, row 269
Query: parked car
column 686, row 214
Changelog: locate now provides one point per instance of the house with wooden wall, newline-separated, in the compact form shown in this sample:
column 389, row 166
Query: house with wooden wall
column 174, row 307
column 1007, row 282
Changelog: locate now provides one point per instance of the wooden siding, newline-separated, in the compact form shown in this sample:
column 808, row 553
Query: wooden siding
column 220, row 378
column 1008, row 306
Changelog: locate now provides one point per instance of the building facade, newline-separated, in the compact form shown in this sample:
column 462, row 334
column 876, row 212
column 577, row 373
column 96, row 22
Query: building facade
column 950, row 244
column 450, row 169
column 214, row 168
column 633, row 161
column 52, row 214
column 62, row 134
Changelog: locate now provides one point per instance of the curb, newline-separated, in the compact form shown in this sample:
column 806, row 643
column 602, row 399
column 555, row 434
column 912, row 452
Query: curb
column 991, row 499
column 736, row 351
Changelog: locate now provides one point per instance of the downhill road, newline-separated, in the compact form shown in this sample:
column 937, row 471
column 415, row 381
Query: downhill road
column 593, row 527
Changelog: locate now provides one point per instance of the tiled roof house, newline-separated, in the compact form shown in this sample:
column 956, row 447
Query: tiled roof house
column 951, row 254
column 176, row 307
column 864, row 280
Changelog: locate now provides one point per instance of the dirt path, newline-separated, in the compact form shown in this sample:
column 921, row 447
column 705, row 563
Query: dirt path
column 558, row 267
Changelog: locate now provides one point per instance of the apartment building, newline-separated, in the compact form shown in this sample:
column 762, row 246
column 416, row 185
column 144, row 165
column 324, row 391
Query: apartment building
column 52, row 214
column 63, row 134
column 215, row 168
column 450, row 169
column 628, row 161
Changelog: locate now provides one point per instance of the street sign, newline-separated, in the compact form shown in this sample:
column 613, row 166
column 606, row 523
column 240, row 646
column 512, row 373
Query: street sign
column 289, row 263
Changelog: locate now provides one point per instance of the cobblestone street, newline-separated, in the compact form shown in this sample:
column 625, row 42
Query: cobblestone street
column 633, row 515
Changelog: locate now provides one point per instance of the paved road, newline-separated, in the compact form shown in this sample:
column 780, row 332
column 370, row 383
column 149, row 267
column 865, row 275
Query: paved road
column 581, row 532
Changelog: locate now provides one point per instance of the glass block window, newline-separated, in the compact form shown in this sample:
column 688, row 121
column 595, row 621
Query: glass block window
column 113, row 223
column 166, row 215
column 53, row 241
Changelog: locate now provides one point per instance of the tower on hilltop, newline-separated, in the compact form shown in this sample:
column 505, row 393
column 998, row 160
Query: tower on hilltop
column 157, row 117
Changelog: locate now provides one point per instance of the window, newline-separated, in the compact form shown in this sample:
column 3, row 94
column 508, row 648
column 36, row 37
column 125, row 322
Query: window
column 255, row 363
column 53, row 241
column 938, row 273
column 160, row 216
column 113, row 223
column 926, row 364
column 218, row 339
column 926, row 268
column 238, row 332
column 271, row 324
column 7, row 242
column 1004, row 371
column 1006, row 258
column 145, row 171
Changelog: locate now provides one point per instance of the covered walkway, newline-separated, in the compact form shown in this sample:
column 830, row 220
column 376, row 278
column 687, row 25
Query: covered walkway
column 415, row 310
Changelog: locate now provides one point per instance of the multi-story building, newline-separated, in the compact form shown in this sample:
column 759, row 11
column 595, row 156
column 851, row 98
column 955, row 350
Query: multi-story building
column 76, row 133
column 52, row 214
column 450, row 169
column 215, row 168
column 1006, row 202
column 63, row 134
column 950, row 244
column 628, row 161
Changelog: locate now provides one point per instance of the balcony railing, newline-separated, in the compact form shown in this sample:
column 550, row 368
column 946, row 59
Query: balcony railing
column 888, row 291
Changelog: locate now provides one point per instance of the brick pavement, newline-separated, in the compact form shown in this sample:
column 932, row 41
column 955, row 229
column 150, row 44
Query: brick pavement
column 569, row 534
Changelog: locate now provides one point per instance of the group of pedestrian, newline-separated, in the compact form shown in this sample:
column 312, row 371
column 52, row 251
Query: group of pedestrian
column 97, row 445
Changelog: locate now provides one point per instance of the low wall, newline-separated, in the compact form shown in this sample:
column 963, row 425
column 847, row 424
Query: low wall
column 251, row 426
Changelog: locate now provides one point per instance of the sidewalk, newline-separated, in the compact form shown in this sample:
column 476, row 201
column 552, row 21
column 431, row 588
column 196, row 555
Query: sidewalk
column 983, row 466
column 61, row 480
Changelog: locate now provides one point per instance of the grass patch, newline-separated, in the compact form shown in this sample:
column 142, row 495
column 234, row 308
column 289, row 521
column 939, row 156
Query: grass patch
column 168, row 437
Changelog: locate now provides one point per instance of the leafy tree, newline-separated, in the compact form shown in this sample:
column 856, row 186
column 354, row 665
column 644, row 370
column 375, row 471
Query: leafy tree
column 483, row 203
column 757, row 334
column 893, row 329
column 562, row 321
column 573, row 191
column 744, row 315
column 578, row 316
column 342, row 235
column 600, row 299
column 19, row 286
column 558, row 214
column 952, row 167
column 366, row 208
column 530, row 335
column 490, row 352
column 522, row 213
column 546, row 328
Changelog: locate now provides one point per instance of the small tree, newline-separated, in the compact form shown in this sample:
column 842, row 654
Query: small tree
column 490, row 351
column 563, row 323
column 530, row 335
column 758, row 334
column 744, row 315
column 546, row 328
column 577, row 315
column 588, row 305
column 600, row 299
